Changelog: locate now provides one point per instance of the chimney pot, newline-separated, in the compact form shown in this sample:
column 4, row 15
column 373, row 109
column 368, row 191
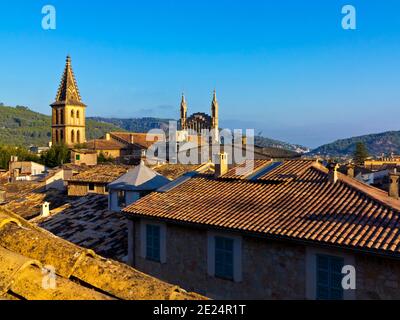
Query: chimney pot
column 108, row 137
column 350, row 170
column 45, row 210
column 132, row 139
column 394, row 185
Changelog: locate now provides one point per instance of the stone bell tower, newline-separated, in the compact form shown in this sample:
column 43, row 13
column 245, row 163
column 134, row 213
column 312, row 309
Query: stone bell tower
column 68, row 111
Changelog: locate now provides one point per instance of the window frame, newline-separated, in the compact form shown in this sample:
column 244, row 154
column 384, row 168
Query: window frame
column 329, row 273
column 153, row 242
column 163, row 240
column 237, row 255
column 311, row 270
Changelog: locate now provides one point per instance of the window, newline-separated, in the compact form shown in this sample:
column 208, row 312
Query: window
column 121, row 199
column 224, row 258
column 78, row 157
column 329, row 277
column 91, row 186
column 153, row 242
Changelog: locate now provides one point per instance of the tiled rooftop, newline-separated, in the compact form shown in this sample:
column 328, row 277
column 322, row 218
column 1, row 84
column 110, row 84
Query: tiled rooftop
column 138, row 138
column 88, row 223
column 26, row 198
column 295, row 201
column 100, row 174
column 80, row 274
column 173, row 171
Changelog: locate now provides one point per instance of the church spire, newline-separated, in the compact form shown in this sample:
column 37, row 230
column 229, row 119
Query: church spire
column 214, row 116
column 183, row 112
column 68, row 91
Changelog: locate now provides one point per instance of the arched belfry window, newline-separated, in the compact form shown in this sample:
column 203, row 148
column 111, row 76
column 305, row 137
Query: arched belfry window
column 61, row 135
column 72, row 136
column 72, row 114
column 61, row 116
column 78, row 136
column 57, row 138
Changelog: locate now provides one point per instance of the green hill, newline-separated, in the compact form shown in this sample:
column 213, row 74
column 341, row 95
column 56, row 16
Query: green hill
column 21, row 126
column 135, row 124
column 386, row 142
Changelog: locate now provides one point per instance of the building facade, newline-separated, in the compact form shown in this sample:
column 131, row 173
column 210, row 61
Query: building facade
column 68, row 111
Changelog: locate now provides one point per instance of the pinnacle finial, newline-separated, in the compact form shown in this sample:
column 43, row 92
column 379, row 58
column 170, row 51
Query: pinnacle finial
column 215, row 95
column 68, row 59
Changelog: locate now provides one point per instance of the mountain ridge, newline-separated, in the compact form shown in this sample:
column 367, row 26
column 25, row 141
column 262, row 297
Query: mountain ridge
column 376, row 143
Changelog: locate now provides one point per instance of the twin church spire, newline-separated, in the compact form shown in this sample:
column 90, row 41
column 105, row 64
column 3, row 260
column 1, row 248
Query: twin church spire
column 200, row 121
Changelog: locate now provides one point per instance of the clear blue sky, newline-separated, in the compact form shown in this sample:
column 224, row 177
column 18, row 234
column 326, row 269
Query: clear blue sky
column 284, row 67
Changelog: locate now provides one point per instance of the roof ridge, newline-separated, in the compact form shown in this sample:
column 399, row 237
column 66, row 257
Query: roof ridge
column 376, row 194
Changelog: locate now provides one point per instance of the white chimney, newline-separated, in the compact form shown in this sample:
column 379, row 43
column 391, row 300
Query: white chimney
column 333, row 172
column 45, row 210
column 132, row 139
column 108, row 137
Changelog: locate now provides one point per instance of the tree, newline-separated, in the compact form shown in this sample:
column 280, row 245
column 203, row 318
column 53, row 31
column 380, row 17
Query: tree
column 360, row 154
column 23, row 155
column 102, row 158
column 56, row 156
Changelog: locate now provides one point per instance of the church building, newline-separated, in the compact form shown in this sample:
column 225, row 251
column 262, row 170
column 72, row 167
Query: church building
column 68, row 111
column 200, row 121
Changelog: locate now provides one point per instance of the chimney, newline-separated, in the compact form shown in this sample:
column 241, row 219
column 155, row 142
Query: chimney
column 333, row 172
column 350, row 170
column 221, row 164
column 14, row 159
column 3, row 196
column 244, row 140
column 108, row 137
column 50, row 144
column 45, row 210
column 394, row 184
column 131, row 139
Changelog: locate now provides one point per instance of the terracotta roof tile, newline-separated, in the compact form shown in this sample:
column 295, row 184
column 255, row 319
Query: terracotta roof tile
column 293, row 201
column 86, row 222
column 80, row 273
column 140, row 139
column 100, row 174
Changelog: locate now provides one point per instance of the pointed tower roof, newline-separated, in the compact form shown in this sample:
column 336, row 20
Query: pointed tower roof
column 183, row 101
column 214, row 101
column 68, row 92
column 140, row 178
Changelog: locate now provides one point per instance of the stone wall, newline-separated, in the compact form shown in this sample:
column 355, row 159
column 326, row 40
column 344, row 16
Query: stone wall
column 270, row 269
